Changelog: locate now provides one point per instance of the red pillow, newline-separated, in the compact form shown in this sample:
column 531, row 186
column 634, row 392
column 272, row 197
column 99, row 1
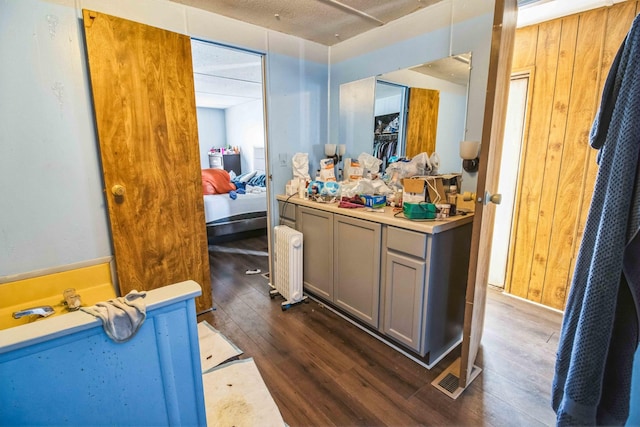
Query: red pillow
column 216, row 181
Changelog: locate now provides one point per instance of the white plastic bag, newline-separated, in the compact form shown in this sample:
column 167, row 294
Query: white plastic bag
column 422, row 164
column 300, row 164
column 370, row 163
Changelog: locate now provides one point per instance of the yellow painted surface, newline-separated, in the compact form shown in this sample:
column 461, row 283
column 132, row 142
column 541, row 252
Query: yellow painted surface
column 93, row 284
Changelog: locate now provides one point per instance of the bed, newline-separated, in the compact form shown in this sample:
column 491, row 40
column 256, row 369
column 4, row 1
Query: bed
column 233, row 205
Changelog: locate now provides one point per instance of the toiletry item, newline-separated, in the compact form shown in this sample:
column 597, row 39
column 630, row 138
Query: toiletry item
column 302, row 187
column 355, row 170
column 327, row 170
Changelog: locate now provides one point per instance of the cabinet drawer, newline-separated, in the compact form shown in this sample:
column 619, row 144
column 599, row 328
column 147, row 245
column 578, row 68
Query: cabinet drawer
column 408, row 242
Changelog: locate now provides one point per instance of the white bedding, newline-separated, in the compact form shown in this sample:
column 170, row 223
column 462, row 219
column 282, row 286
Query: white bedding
column 219, row 206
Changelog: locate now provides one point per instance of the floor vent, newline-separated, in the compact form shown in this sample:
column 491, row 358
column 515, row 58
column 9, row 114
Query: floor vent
column 448, row 381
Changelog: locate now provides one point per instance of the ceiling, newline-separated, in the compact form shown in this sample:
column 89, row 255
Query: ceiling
column 323, row 21
column 227, row 77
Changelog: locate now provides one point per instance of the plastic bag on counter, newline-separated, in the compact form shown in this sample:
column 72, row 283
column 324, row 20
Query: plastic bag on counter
column 370, row 163
column 419, row 165
column 300, row 164
column 435, row 163
column 365, row 186
column 422, row 163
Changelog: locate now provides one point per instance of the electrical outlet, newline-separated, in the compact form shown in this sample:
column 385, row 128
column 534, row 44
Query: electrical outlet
column 282, row 159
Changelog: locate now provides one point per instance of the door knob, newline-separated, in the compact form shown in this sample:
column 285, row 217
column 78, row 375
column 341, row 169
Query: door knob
column 488, row 197
column 493, row 198
column 467, row 196
column 118, row 190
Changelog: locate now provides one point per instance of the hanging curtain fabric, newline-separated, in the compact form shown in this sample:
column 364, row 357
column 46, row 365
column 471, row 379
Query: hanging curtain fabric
column 600, row 327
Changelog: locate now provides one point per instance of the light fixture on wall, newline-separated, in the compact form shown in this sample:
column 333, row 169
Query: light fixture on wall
column 330, row 151
column 469, row 153
column 342, row 148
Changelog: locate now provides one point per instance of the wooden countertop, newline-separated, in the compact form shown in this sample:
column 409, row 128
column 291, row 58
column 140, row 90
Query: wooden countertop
column 387, row 217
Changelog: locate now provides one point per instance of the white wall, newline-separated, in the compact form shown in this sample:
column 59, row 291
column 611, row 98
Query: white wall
column 245, row 129
column 452, row 113
column 212, row 132
column 53, row 210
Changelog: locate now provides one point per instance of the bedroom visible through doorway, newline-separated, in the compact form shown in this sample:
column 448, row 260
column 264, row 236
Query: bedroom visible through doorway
column 231, row 129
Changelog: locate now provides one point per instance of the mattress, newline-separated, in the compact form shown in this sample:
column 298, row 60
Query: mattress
column 221, row 206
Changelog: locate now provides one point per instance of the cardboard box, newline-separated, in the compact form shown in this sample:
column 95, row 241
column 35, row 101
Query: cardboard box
column 424, row 188
column 374, row 201
column 435, row 189
column 452, row 180
column 414, row 190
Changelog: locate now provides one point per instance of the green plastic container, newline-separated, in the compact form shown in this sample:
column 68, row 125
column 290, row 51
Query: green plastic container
column 419, row 210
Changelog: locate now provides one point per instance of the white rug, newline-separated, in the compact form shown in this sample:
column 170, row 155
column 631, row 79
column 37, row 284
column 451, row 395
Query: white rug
column 235, row 395
column 215, row 348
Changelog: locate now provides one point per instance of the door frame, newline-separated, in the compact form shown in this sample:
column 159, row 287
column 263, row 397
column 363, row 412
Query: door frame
column 526, row 73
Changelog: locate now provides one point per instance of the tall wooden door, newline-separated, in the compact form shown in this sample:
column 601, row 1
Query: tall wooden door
column 144, row 102
column 502, row 40
column 422, row 121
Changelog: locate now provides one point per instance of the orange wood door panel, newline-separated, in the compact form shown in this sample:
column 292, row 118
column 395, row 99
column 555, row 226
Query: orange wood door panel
column 422, row 121
column 144, row 102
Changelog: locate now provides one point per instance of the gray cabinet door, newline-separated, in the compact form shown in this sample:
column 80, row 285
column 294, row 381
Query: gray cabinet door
column 317, row 229
column 404, row 290
column 357, row 267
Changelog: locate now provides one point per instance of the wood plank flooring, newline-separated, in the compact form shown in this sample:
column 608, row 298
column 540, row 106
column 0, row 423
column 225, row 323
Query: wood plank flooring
column 323, row 371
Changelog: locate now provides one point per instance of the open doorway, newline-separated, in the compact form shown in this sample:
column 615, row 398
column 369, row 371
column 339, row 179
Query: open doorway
column 510, row 164
column 229, row 92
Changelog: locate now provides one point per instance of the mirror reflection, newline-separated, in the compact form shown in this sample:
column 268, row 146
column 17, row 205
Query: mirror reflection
column 419, row 109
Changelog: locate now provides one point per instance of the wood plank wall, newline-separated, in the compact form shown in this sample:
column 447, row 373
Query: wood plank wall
column 568, row 60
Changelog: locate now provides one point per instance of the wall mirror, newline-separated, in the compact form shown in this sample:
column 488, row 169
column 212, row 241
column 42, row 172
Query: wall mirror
column 409, row 111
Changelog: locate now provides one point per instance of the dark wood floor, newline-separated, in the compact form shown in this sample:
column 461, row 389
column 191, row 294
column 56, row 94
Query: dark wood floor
column 323, row 371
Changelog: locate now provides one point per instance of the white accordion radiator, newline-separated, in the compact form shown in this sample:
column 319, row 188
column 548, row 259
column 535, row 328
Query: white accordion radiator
column 287, row 277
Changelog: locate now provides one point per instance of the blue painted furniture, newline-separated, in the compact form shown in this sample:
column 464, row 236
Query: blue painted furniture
column 66, row 371
column 634, row 414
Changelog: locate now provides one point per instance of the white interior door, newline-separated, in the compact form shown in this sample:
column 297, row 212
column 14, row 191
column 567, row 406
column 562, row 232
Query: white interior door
column 510, row 163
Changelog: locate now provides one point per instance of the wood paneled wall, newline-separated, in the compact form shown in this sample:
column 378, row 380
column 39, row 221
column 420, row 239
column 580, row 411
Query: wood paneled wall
column 568, row 60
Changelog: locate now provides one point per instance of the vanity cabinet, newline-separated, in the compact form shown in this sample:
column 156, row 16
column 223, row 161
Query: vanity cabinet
column 341, row 262
column 356, row 262
column 404, row 291
column 425, row 282
column 403, row 281
column 317, row 229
